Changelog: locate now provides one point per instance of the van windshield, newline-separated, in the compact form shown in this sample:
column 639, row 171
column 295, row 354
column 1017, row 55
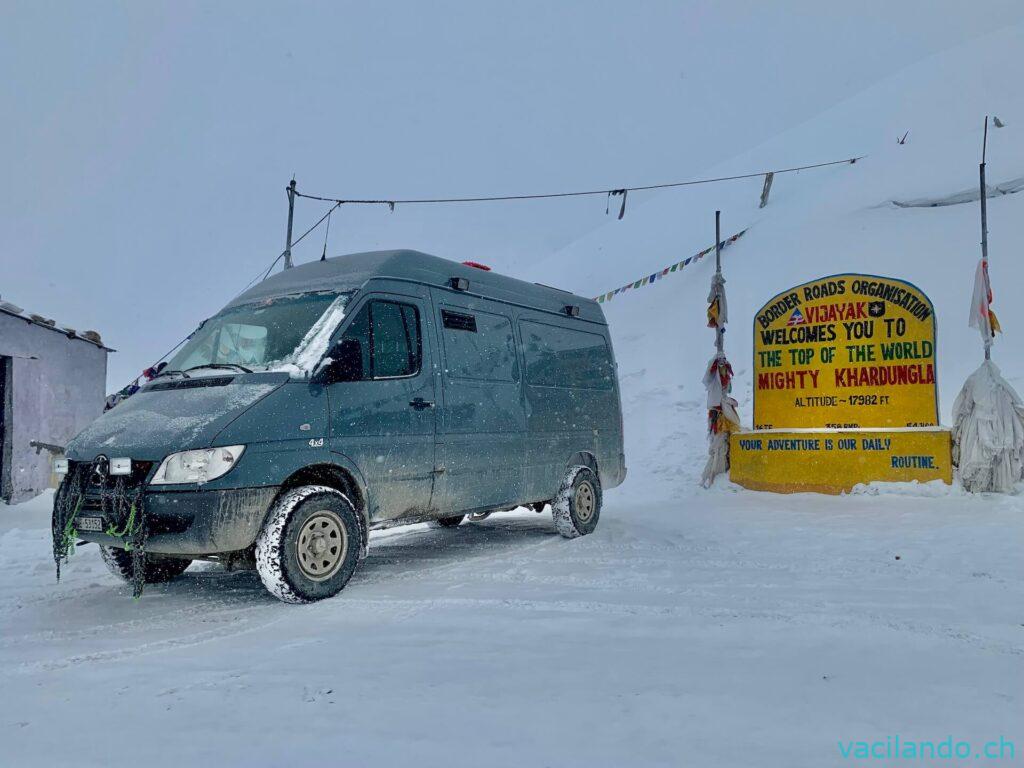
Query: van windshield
column 286, row 333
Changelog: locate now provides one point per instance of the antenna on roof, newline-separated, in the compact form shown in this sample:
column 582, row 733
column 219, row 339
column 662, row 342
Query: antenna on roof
column 323, row 256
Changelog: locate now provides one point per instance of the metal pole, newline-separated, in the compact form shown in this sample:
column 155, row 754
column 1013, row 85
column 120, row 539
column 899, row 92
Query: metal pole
column 291, row 216
column 719, row 331
column 984, row 222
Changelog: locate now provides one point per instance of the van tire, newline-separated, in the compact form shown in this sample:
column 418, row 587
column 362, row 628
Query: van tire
column 287, row 559
column 157, row 569
column 577, row 506
column 446, row 522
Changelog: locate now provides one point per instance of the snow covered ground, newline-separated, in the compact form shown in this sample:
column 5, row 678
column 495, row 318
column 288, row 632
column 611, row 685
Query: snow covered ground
column 693, row 628
column 721, row 629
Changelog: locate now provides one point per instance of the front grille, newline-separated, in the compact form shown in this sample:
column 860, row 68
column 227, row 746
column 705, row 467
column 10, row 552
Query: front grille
column 88, row 489
column 91, row 504
column 98, row 489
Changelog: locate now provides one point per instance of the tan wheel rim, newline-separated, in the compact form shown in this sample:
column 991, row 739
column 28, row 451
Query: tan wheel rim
column 321, row 546
column 585, row 503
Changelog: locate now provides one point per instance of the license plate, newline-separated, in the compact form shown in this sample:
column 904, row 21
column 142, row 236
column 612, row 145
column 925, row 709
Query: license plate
column 90, row 524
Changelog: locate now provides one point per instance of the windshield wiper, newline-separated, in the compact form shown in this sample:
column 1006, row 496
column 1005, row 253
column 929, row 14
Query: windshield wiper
column 169, row 372
column 222, row 366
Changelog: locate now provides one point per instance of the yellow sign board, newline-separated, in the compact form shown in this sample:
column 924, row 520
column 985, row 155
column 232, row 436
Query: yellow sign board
column 832, row 461
column 846, row 351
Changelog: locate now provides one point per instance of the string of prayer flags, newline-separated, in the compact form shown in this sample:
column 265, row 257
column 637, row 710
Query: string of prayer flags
column 665, row 272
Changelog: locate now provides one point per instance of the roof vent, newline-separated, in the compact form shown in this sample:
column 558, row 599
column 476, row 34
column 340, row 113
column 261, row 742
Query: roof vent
column 476, row 265
column 459, row 283
column 571, row 310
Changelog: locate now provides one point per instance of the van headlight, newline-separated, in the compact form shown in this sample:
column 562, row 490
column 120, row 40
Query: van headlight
column 197, row 466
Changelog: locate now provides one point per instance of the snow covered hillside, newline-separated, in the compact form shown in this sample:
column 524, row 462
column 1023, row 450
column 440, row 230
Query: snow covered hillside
column 817, row 223
column 695, row 628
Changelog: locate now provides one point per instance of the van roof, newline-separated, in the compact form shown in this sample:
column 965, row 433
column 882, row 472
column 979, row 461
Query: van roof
column 350, row 272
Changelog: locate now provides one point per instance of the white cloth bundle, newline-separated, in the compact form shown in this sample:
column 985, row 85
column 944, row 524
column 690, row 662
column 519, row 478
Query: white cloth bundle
column 988, row 432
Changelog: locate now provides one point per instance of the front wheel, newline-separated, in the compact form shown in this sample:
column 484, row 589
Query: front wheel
column 577, row 507
column 309, row 546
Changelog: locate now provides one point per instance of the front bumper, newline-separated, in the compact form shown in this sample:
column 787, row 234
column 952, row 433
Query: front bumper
column 197, row 522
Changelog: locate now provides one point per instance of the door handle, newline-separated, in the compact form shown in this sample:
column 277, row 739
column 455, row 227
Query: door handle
column 419, row 403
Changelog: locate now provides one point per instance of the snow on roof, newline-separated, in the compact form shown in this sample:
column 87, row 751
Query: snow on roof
column 351, row 271
column 91, row 337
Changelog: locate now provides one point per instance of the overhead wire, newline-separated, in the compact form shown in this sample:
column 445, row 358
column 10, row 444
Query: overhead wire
column 548, row 195
column 610, row 192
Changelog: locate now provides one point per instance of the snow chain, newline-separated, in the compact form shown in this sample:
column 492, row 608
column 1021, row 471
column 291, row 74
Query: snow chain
column 65, row 507
column 120, row 504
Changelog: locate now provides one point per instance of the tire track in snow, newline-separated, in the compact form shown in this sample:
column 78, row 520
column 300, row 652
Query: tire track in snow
column 157, row 646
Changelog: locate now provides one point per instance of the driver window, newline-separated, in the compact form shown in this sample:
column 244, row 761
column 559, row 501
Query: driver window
column 383, row 341
column 355, row 348
column 394, row 337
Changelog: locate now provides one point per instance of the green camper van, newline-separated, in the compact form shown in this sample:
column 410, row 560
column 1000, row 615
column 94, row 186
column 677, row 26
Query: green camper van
column 346, row 395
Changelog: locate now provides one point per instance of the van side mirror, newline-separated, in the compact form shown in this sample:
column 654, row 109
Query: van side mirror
column 346, row 362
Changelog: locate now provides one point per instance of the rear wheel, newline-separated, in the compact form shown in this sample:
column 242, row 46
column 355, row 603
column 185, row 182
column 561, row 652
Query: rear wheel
column 157, row 569
column 309, row 547
column 446, row 522
column 577, row 507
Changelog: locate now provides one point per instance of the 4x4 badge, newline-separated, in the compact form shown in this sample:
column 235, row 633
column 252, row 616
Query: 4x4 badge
column 316, row 443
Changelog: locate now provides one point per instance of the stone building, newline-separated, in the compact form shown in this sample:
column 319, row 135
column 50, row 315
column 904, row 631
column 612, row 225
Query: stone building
column 52, row 384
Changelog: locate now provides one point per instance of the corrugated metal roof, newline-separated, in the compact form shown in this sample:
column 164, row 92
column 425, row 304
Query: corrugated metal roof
column 91, row 337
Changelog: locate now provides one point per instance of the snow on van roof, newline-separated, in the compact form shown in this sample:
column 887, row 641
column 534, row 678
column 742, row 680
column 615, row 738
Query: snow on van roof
column 350, row 272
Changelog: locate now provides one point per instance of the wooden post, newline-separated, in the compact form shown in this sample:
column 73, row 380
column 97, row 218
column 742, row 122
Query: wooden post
column 291, row 215
column 984, row 224
column 719, row 331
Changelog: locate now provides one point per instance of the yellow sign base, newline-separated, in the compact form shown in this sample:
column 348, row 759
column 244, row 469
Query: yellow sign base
column 835, row 460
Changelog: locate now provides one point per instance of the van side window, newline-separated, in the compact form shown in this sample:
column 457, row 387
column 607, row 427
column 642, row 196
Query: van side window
column 479, row 346
column 564, row 357
column 388, row 334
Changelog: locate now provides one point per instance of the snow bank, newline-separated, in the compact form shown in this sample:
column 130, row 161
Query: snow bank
column 934, row 489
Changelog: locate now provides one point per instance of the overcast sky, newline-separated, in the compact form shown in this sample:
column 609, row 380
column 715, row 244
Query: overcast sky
column 146, row 146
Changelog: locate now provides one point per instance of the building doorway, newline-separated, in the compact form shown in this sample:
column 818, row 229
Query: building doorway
column 5, row 428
